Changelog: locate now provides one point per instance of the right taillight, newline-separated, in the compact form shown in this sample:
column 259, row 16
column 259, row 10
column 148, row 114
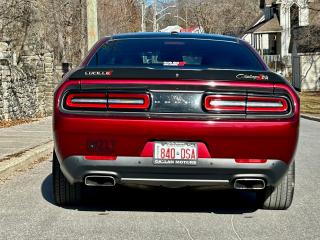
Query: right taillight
column 246, row 104
column 266, row 104
column 225, row 103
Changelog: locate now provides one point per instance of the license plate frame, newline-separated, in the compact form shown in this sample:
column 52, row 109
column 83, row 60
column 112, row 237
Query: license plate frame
column 185, row 153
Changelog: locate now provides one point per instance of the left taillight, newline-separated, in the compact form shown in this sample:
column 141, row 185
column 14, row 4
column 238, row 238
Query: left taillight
column 105, row 101
column 128, row 101
column 86, row 100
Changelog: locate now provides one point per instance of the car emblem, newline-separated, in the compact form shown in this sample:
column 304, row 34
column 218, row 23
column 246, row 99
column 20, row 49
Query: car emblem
column 98, row 73
column 253, row 77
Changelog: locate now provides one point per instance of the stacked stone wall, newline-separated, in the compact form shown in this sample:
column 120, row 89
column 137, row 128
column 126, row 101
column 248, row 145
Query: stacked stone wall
column 26, row 89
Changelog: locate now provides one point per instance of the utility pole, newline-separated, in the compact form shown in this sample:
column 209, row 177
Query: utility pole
column 143, row 15
column 92, row 23
column 155, row 13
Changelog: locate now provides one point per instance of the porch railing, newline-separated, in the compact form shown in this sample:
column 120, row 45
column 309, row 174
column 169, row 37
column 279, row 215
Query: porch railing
column 277, row 62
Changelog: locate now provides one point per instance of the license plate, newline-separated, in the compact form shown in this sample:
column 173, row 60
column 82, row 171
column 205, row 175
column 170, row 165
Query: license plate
column 175, row 153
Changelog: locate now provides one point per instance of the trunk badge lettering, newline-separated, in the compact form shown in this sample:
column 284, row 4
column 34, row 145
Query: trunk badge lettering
column 98, row 73
column 174, row 64
column 253, row 77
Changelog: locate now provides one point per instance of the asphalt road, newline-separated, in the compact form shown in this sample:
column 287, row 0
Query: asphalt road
column 27, row 210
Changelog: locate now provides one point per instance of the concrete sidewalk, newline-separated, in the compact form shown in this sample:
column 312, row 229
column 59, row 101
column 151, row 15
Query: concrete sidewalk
column 23, row 144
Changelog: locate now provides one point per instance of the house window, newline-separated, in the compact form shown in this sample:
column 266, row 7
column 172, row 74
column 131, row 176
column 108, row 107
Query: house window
column 294, row 16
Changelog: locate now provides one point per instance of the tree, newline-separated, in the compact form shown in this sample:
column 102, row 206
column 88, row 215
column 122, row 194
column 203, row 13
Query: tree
column 119, row 16
column 44, row 25
column 219, row 16
column 215, row 16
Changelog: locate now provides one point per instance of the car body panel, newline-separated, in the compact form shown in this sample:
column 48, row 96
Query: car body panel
column 129, row 135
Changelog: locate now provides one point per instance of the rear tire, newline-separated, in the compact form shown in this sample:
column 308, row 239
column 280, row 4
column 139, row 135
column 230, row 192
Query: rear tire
column 280, row 197
column 64, row 193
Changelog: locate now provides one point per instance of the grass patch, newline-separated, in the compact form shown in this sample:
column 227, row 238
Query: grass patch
column 10, row 123
column 310, row 103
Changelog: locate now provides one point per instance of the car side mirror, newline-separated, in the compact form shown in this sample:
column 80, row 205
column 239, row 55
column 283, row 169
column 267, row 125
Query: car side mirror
column 296, row 82
column 66, row 67
column 296, row 85
column 297, row 89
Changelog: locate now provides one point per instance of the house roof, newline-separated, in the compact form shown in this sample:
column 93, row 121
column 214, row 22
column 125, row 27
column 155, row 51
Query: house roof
column 256, row 21
column 266, row 26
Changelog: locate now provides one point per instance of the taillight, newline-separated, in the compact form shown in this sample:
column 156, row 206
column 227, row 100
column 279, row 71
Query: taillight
column 225, row 103
column 139, row 101
column 246, row 160
column 246, row 104
column 266, row 104
column 87, row 100
column 128, row 101
column 102, row 158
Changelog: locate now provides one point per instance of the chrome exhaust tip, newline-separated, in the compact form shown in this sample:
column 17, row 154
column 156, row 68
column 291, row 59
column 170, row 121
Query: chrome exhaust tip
column 99, row 181
column 249, row 183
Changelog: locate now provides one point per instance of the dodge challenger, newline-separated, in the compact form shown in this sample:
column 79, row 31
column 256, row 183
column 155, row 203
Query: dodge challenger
column 175, row 110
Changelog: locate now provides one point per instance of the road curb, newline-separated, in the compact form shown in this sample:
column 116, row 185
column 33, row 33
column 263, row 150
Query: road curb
column 23, row 160
column 309, row 117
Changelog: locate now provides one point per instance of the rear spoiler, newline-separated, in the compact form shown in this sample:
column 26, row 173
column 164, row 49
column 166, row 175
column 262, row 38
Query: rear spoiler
column 185, row 74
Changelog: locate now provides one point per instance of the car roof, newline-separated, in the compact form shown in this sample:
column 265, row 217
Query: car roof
column 175, row 35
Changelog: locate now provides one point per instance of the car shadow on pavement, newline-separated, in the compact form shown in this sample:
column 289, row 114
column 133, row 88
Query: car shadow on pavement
column 159, row 200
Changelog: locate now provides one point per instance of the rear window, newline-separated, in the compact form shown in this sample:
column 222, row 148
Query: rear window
column 179, row 53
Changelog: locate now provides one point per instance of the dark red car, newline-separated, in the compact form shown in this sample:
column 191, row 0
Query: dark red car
column 175, row 110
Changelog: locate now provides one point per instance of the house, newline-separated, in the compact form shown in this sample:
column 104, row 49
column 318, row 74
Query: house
column 174, row 28
column 287, row 35
column 177, row 28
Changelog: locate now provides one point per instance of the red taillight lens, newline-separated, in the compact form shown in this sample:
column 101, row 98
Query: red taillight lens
column 128, row 101
column 102, row 158
column 106, row 101
column 266, row 104
column 225, row 103
column 245, row 160
column 87, row 100
column 248, row 104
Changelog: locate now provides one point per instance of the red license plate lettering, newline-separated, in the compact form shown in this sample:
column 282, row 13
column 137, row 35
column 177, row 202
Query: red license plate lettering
column 183, row 153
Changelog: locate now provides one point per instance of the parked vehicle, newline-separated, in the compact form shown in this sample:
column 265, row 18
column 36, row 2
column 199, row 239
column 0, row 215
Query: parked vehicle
column 175, row 110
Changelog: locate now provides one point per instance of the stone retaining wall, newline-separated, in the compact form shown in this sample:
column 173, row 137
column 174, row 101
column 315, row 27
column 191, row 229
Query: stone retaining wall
column 26, row 89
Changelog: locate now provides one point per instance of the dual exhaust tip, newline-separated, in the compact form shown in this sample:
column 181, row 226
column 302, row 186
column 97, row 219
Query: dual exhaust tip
column 249, row 184
column 99, row 181
column 239, row 183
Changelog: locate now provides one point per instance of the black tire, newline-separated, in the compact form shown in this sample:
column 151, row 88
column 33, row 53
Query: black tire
column 280, row 197
column 64, row 193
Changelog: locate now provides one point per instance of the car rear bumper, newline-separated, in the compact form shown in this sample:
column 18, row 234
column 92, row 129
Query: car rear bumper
column 84, row 136
column 215, row 172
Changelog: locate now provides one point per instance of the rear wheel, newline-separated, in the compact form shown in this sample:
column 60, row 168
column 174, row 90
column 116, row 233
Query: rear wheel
column 64, row 193
column 280, row 197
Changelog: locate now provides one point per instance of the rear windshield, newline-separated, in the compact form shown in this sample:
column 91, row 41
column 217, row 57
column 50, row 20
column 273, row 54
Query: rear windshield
column 178, row 53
